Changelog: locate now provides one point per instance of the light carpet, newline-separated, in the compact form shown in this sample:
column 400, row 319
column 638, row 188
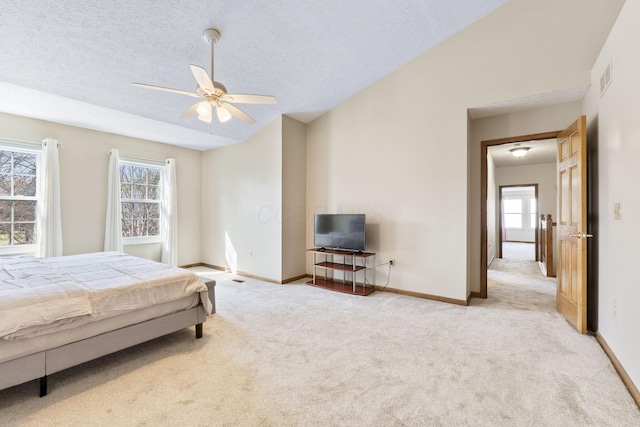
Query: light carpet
column 295, row 355
column 519, row 251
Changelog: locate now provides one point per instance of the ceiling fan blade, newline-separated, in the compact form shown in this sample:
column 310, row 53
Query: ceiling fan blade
column 191, row 111
column 202, row 78
column 242, row 98
column 167, row 89
column 238, row 113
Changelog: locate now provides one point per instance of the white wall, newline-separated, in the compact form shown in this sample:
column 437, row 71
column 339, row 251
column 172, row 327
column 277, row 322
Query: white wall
column 614, row 130
column 294, row 191
column 84, row 160
column 242, row 200
column 397, row 151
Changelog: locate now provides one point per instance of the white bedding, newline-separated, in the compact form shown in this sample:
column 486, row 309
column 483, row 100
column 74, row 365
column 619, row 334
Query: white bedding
column 38, row 296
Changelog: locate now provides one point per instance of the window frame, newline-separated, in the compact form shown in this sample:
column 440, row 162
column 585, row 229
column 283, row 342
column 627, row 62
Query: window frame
column 533, row 214
column 520, row 213
column 144, row 240
column 36, row 149
column 525, row 214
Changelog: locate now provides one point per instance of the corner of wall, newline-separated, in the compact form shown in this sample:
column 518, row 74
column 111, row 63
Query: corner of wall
column 294, row 194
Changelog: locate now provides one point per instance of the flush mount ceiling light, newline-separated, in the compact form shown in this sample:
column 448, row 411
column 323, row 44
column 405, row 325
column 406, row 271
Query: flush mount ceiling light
column 519, row 151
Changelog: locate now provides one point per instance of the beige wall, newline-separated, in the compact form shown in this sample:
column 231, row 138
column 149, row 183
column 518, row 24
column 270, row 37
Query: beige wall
column 242, row 200
column 294, row 189
column 254, row 203
column 398, row 152
column 84, row 160
column 614, row 137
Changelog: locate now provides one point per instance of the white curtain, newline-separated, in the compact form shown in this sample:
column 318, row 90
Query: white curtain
column 49, row 218
column 113, row 226
column 170, row 214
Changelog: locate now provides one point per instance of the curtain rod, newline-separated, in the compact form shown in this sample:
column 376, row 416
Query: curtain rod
column 27, row 142
column 21, row 141
column 141, row 160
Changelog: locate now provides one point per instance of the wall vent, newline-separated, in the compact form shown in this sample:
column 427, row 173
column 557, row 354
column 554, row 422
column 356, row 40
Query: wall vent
column 605, row 79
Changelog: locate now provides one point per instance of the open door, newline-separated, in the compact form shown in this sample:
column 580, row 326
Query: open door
column 572, row 222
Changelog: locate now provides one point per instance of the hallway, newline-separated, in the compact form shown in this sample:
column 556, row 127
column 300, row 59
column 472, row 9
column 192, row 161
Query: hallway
column 519, row 282
column 519, row 251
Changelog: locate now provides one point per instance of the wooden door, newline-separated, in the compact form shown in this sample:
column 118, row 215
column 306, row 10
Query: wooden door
column 572, row 222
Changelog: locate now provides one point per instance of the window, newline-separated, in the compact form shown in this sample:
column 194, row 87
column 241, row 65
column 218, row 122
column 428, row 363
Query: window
column 533, row 211
column 18, row 199
column 141, row 202
column 513, row 213
column 520, row 211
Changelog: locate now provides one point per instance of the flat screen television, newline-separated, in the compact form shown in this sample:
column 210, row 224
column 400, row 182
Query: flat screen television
column 339, row 231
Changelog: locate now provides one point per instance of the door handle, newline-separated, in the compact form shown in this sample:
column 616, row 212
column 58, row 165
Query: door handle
column 580, row 235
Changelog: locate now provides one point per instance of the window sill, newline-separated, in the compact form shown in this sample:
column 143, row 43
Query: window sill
column 129, row 241
column 18, row 250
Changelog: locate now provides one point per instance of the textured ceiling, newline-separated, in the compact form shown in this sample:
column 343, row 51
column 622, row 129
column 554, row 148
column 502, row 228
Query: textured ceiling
column 73, row 62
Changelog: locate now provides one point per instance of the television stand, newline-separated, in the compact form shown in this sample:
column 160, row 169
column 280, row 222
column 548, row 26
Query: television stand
column 352, row 262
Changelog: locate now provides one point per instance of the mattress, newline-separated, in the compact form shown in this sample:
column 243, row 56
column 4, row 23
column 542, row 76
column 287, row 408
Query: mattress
column 39, row 297
column 12, row 349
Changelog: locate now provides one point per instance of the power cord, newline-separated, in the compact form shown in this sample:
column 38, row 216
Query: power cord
column 390, row 264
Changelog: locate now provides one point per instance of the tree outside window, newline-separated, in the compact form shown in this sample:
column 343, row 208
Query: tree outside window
column 18, row 198
column 141, row 199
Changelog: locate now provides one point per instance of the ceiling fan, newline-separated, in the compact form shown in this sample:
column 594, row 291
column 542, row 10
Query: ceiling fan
column 213, row 94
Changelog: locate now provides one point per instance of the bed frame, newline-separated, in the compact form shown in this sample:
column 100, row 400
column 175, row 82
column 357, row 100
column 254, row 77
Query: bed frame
column 49, row 361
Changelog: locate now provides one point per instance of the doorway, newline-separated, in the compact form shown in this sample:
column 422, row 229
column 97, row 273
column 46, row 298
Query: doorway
column 518, row 222
column 484, row 154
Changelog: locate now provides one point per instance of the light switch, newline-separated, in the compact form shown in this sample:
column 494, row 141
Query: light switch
column 617, row 211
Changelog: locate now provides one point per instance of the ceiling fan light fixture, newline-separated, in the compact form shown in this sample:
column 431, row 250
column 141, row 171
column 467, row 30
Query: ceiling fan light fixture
column 205, row 117
column 204, row 109
column 519, row 151
column 223, row 114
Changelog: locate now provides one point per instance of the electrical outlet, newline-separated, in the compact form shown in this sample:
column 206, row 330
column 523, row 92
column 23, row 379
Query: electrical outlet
column 616, row 307
column 392, row 262
column 250, row 253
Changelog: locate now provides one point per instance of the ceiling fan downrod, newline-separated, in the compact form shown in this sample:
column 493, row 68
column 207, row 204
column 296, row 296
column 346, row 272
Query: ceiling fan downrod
column 211, row 36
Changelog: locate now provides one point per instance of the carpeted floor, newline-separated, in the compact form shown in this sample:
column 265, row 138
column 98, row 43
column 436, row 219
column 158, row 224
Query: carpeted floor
column 295, row 355
column 519, row 251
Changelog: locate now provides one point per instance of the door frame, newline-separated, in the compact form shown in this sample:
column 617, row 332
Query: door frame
column 500, row 213
column 483, row 194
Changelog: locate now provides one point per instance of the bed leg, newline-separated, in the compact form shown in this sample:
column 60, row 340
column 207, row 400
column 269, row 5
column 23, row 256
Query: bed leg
column 43, row 386
column 199, row 330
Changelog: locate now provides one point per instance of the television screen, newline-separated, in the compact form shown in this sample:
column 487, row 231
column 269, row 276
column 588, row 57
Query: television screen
column 340, row 231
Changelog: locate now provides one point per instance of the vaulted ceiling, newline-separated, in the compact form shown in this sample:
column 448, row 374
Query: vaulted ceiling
column 73, row 62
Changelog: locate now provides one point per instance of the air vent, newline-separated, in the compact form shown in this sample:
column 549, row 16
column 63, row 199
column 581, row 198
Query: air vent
column 605, row 79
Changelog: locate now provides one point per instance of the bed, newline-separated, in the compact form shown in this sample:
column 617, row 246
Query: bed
column 56, row 313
